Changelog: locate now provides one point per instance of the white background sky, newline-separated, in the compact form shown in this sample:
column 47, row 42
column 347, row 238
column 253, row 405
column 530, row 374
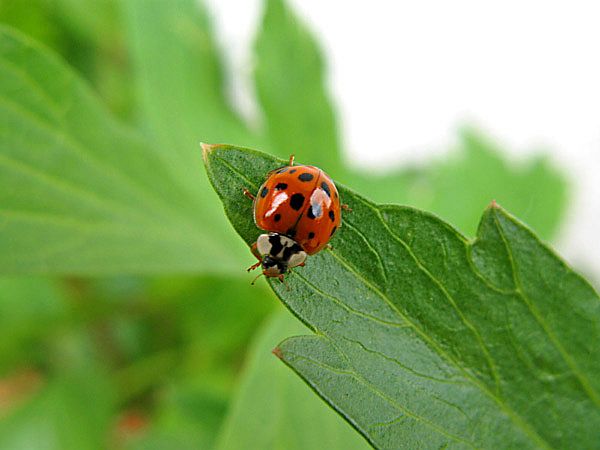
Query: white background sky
column 525, row 72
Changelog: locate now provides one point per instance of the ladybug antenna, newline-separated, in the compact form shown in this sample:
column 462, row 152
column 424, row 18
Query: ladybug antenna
column 257, row 277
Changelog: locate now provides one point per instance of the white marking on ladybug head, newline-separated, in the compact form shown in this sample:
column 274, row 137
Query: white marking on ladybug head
column 263, row 245
column 296, row 259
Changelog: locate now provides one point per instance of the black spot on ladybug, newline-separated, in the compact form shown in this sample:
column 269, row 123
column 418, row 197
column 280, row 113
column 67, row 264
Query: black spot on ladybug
column 311, row 235
column 277, row 217
column 331, row 215
column 264, row 192
column 314, row 211
column 332, row 231
column 325, row 187
column 293, row 171
column 281, row 186
column 305, row 176
column 297, row 201
column 283, row 169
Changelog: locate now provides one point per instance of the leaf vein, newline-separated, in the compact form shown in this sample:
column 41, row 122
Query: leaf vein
column 593, row 395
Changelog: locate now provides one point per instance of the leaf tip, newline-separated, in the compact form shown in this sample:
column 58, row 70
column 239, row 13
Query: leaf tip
column 277, row 352
column 206, row 149
column 494, row 205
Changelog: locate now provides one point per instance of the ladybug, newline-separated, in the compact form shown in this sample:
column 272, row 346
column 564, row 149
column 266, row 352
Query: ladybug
column 299, row 207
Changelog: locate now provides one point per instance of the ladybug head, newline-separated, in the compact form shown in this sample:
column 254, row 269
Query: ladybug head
column 272, row 267
column 278, row 253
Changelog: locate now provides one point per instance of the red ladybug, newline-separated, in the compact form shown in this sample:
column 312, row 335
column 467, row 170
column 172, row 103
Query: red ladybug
column 300, row 208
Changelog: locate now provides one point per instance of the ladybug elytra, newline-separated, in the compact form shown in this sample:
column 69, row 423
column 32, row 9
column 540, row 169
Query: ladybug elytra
column 299, row 207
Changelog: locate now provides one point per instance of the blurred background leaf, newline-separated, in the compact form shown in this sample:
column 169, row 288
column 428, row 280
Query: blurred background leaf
column 30, row 310
column 89, row 37
column 80, row 193
column 69, row 413
column 178, row 108
column 290, row 84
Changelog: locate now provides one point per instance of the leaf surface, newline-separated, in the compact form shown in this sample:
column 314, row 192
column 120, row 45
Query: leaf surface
column 425, row 339
column 79, row 193
column 273, row 409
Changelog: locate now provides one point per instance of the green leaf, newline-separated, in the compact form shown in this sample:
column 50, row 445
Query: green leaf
column 180, row 83
column 290, row 85
column 273, row 409
column 79, row 193
column 425, row 339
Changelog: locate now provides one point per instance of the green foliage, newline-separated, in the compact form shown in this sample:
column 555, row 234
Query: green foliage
column 180, row 107
column 425, row 337
column 109, row 203
column 29, row 311
column 273, row 409
column 72, row 413
column 88, row 36
column 290, row 86
column 82, row 194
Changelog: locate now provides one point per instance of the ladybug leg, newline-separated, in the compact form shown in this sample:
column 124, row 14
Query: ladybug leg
column 346, row 207
column 282, row 279
column 248, row 194
column 291, row 160
column 255, row 253
column 252, row 267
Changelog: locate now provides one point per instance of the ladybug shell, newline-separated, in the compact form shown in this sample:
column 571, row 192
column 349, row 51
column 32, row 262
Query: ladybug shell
column 301, row 202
